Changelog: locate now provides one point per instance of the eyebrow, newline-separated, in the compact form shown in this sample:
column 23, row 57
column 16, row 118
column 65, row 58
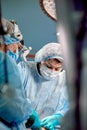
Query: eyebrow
column 50, row 65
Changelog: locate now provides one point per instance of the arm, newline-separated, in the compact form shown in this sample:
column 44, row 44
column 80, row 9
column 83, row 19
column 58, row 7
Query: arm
column 50, row 122
column 63, row 105
column 13, row 102
column 54, row 120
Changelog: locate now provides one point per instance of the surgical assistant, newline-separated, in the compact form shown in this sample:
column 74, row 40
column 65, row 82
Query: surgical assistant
column 45, row 88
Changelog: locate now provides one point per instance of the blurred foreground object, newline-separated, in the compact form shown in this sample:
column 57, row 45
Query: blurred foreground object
column 72, row 42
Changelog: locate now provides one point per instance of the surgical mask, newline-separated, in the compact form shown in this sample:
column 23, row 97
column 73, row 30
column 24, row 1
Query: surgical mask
column 48, row 73
column 13, row 55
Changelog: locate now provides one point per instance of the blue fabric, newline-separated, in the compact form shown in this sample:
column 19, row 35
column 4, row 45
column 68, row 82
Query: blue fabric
column 10, row 40
column 15, row 55
column 50, row 122
column 36, row 124
column 48, row 97
column 4, row 127
column 45, row 102
column 20, row 126
column 14, row 106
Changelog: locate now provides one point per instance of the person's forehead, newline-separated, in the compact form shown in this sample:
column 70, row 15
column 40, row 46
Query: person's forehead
column 54, row 60
column 53, row 63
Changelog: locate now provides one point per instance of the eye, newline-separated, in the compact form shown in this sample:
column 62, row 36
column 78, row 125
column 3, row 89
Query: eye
column 49, row 67
column 57, row 69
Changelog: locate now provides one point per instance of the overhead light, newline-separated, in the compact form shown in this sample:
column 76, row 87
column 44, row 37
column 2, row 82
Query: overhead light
column 49, row 8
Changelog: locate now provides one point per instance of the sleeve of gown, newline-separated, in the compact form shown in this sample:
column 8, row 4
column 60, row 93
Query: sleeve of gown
column 63, row 104
column 14, row 106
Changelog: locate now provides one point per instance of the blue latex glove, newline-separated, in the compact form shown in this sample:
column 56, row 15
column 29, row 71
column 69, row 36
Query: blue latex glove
column 33, row 121
column 50, row 122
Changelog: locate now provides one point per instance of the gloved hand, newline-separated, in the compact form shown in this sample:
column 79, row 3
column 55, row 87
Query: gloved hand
column 33, row 122
column 50, row 122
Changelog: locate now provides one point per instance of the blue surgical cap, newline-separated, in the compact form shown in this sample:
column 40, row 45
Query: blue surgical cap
column 49, row 51
column 7, row 39
column 10, row 40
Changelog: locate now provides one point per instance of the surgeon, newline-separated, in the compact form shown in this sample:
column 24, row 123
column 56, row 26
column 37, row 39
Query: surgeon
column 15, row 107
column 17, row 51
column 11, row 49
column 44, row 81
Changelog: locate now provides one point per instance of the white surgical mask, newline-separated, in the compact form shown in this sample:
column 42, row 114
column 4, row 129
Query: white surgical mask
column 48, row 73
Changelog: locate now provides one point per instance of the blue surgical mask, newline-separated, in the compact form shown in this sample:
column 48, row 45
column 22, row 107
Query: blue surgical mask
column 13, row 55
column 48, row 73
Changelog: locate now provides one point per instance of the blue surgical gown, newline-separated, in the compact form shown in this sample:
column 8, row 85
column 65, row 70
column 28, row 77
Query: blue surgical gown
column 47, row 97
column 15, row 107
